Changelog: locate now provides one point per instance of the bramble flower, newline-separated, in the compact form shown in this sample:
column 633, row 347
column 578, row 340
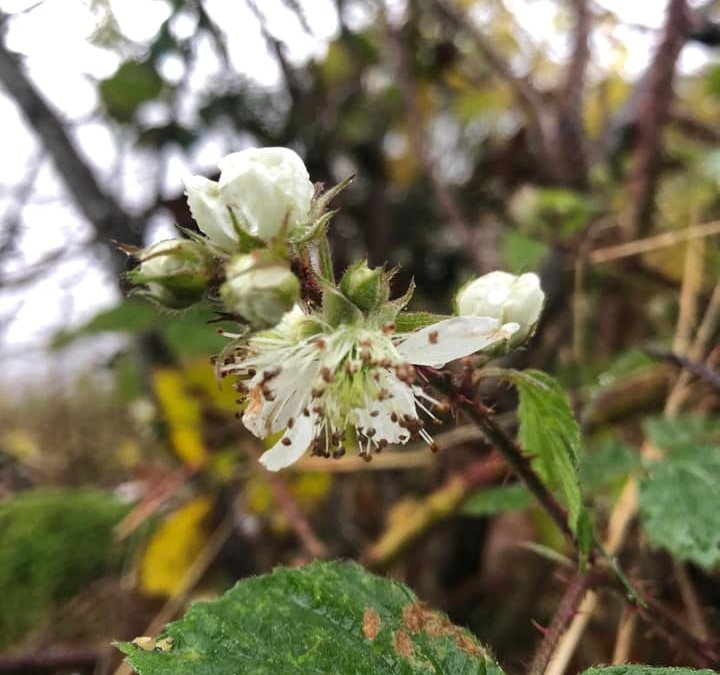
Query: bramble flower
column 175, row 272
column 506, row 297
column 354, row 385
column 259, row 288
column 260, row 192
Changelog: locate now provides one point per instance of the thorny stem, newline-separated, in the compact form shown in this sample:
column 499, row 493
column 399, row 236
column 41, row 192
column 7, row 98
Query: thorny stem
column 649, row 609
column 509, row 449
column 563, row 615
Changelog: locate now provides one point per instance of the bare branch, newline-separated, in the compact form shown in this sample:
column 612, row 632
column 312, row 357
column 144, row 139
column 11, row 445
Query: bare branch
column 654, row 109
column 456, row 219
column 107, row 217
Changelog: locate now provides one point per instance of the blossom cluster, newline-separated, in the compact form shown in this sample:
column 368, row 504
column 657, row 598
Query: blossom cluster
column 342, row 371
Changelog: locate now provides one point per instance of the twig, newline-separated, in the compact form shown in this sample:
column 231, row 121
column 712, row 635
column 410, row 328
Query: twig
column 520, row 464
column 625, row 635
column 699, row 369
column 106, row 216
column 454, row 214
column 640, row 246
column 439, row 505
column 692, row 602
column 565, row 612
column 297, row 521
column 626, row 507
column 200, row 565
column 653, row 114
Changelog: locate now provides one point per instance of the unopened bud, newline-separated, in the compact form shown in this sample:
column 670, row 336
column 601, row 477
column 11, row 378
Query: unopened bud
column 505, row 297
column 367, row 288
column 175, row 272
column 259, row 289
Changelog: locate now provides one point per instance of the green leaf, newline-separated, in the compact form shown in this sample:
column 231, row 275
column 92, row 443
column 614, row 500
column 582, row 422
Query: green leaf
column 131, row 316
column 681, row 433
column 679, row 504
column 522, row 253
column 187, row 334
column 549, row 431
column 53, row 543
column 326, row 618
column 610, row 463
column 632, row 669
column 132, row 84
column 494, row 500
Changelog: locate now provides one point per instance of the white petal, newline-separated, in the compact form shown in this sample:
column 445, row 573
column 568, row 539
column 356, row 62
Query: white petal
column 209, row 212
column 452, row 339
column 281, row 455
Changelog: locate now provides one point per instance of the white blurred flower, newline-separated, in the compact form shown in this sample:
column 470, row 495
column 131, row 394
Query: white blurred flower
column 260, row 190
column 258, row 290
column 505, row 297
column 353, row 386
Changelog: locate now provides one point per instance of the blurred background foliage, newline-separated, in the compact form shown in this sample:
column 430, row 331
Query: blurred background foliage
column 477, row 142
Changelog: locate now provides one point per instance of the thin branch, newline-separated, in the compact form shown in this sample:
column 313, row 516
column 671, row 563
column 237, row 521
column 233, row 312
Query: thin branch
column 564, row 614
column 654, row 110
column 524, row 90
column 456, row 219
column 571, row 157
column 107, row 217
column 700, row 370
column 297, row 521
column 508, row 448
column 434, row 508
column 664, row 240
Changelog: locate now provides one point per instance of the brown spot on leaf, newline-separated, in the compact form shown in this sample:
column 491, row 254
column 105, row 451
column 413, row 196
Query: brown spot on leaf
column 416, row 617
column 403, row 644
column 371, row 623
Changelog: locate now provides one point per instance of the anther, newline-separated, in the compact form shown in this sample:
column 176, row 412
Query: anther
column 286, row 441
column 433, row 337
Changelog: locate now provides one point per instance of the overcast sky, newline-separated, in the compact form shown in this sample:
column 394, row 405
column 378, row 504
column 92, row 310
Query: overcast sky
column 64, row 65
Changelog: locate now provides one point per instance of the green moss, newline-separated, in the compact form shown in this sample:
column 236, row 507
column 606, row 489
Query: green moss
column 53, row 543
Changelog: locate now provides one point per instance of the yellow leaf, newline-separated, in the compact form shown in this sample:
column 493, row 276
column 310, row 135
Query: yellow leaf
column 201, row 377
column 173, row 548
column 183, row 415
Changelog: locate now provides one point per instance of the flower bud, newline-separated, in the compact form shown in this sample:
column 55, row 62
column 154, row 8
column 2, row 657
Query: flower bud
column 367, row 288
column 260, row 191
column 259, row 289
column 175, row 271
column 506, row 297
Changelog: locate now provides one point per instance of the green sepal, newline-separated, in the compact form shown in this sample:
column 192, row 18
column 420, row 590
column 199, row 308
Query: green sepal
column 407, row 322
column 337, row 309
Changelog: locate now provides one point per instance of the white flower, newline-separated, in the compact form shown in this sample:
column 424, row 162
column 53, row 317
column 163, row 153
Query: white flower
column 351, row 386
column 259, row 290
column 505, row 297
column 265, row 189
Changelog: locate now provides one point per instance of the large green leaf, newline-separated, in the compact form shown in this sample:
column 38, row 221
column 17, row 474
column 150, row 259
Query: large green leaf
column 633, row 669
column 679, row 500
column 680, row 433
column 187, row 334
column 608, row 464
column 549, row 431
column 325, row 619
